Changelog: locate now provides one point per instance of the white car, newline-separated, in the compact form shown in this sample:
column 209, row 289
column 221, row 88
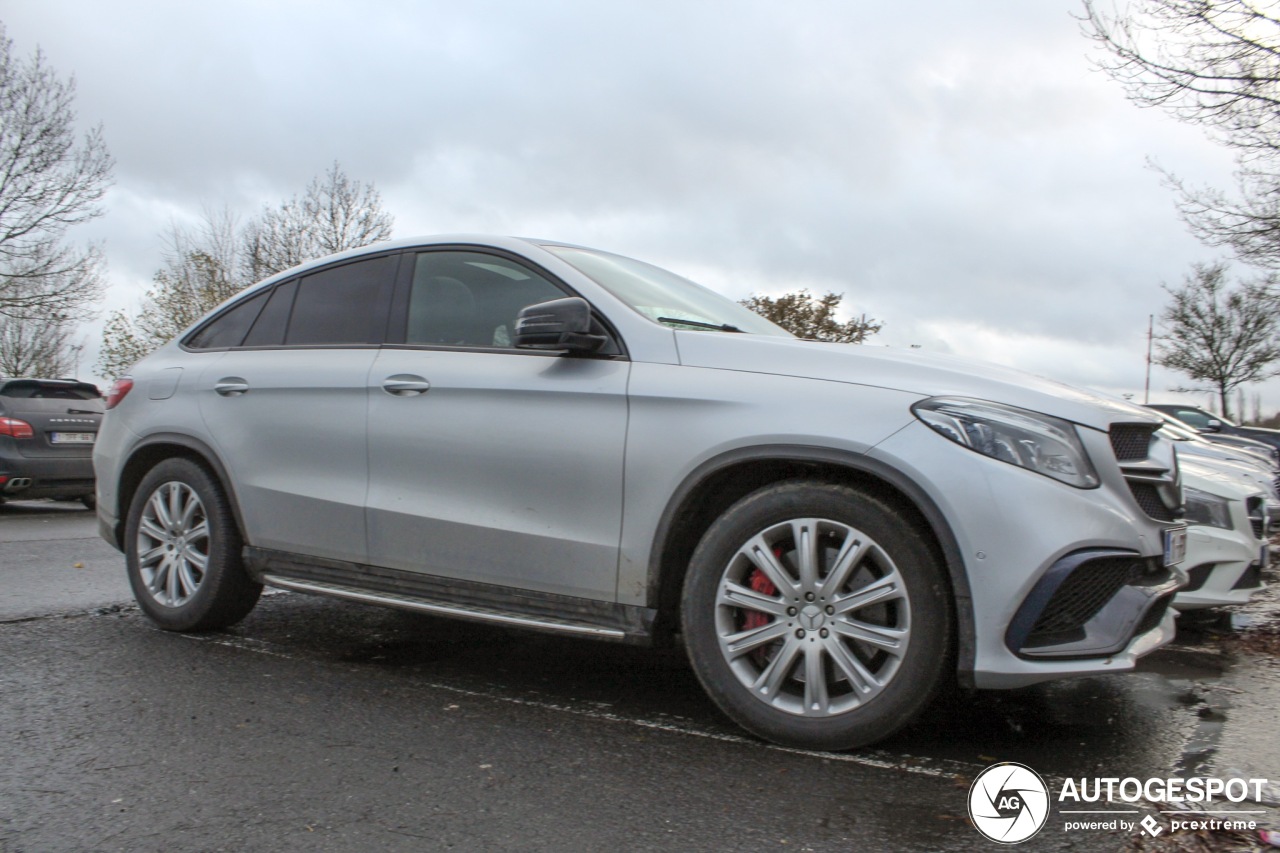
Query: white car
column 1227, row 536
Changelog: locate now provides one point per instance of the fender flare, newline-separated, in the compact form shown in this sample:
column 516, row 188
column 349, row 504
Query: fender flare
column 859, row 464
column 206, row 453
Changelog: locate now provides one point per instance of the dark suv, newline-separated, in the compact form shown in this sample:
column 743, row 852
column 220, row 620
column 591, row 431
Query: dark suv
column 1199, row 419
column 47, row 431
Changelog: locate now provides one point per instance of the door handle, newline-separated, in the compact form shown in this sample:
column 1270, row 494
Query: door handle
column 232, row 386
column 405, row 385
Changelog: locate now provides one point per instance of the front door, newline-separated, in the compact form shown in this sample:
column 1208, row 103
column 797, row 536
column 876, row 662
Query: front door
column 489, row 463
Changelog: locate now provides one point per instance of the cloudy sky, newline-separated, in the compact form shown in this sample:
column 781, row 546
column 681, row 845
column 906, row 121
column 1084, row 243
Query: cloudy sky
column 958, row 170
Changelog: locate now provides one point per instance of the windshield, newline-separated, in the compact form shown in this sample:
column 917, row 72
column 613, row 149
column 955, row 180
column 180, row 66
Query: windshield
column 1177, row 432
column 665, row 297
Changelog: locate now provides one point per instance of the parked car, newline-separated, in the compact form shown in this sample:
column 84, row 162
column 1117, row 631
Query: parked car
column 1255, row 469
column 1227, row 537
column 47, row 430
column 561, row 439
column 1260, row 449
column 1208, row 422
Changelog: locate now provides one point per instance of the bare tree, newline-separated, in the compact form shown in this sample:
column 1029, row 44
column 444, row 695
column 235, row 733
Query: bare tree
column 1220, row 336
column 31, row 348
column 200, row 272
column 333, row 215
column 813, row 318
column 48, row 183
column 1214, row 63
column 211, row 262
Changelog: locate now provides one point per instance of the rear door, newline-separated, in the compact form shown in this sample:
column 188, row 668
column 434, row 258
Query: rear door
column 286, row 404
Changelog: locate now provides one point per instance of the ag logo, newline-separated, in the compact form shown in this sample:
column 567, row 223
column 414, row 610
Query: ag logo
column 1008, row 802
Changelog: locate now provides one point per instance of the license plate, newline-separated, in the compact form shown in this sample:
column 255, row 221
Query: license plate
column 72, row 437
column 1175, row 546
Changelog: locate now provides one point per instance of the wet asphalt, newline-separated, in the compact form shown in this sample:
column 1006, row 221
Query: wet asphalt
column 324, row 725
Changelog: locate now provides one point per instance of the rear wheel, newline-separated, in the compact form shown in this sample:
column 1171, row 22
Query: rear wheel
column 183, row 550
column 817, row 616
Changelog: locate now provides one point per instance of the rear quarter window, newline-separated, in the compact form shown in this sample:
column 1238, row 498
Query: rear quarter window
column 228, row 328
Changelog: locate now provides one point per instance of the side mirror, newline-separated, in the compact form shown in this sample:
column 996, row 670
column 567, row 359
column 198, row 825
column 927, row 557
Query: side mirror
column 561, row 324
column 1214, row 425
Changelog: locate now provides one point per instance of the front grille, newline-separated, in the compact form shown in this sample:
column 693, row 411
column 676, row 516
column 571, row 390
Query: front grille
column 1081, row 596
column 1149, row 499
column 1131, row 441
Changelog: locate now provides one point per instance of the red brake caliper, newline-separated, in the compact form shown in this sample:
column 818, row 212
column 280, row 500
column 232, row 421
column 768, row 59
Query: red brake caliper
column 761, row 584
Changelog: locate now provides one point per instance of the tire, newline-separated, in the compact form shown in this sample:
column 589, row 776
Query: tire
column 831, row 652
column 182, row 550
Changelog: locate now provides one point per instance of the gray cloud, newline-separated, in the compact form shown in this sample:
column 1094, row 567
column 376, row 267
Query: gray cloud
column 958, row 170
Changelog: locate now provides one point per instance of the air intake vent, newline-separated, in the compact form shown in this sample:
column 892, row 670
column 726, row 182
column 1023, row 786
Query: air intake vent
column 1148, row 497
column 1081, row 596
column 1131, row 441
column 1257, row 517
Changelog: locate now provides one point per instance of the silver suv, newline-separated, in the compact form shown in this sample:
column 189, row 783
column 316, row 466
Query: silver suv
column 561, row 439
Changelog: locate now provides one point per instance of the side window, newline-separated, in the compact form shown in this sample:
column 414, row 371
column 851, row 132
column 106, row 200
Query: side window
column 470, row 299
column 228, row 328
column 268, row 329
column 340, row 305
column 1196, row 419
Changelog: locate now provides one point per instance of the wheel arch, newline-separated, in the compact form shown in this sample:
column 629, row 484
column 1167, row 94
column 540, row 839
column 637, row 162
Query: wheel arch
column 153, row 450
column 718, row 483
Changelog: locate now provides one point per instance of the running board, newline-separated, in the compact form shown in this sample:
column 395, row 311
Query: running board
column 475, row 614
column 452, row 597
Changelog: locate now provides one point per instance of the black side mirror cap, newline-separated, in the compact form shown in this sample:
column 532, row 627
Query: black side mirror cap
column 561, row 324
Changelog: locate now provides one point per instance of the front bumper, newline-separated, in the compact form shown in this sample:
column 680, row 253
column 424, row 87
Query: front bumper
column 1223, row 568
column 1092, row 604
column 1013, row 528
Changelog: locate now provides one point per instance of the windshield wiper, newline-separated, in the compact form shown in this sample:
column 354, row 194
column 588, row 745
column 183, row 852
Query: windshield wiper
column 719, row 327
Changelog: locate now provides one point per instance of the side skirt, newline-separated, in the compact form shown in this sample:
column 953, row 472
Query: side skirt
column 459, row 599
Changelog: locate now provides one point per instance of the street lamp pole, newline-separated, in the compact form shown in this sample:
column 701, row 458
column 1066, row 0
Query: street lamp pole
column 1151, row 324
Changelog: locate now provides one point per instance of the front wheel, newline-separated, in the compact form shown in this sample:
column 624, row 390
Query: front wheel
column 182, row 549
column 817, row 616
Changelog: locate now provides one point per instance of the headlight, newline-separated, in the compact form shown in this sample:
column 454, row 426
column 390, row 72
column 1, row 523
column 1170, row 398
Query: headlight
column 1030, row 440
column 1204, row 508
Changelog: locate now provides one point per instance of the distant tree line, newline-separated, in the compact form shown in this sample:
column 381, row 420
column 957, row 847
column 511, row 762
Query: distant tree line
column 50, row 180
column 207, row 264
column 1214, row 64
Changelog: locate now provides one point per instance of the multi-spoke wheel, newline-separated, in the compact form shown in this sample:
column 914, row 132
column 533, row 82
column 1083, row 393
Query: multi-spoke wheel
column 183, row 550
column 173, row 543
column 817, row 616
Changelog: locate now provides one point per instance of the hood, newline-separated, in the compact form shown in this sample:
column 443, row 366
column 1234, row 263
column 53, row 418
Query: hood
column 913, row 371
column 1218, row 478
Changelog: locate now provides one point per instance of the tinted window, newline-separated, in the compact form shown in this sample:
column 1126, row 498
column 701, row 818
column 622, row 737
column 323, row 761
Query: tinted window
column 268, row 329
column 339, row 305
column 1199, row 420
column 35, row 389
column 229, row 327
column 470, row 299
